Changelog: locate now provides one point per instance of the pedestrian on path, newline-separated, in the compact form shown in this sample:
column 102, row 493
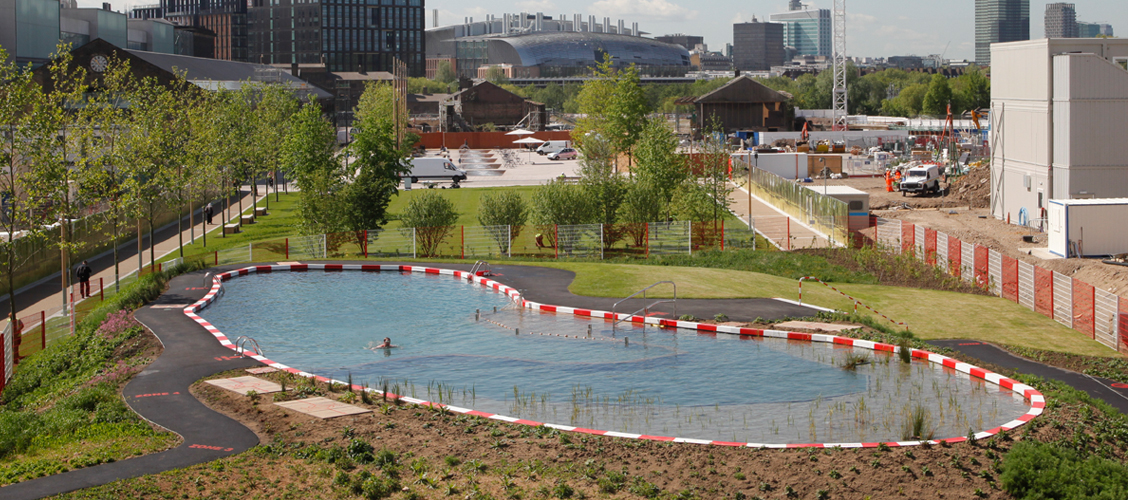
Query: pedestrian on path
column 83, row 275
column 208, row 211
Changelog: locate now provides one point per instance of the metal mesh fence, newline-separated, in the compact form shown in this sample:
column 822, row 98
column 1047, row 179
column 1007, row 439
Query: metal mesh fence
column 1084, row 306
column 485, row 241
column 234, row 255
column 390, row 242
column 1063, row 299
column 345, row 245
column 9, row 353
column 307, row 247
column 668, row 238
column 739, row 236
column 1104, row 317
column 581, row 240
column 270, row 250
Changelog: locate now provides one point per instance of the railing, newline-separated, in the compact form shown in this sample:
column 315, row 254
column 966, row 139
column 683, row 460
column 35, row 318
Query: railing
column 646, row 309
column 242, row 343
column 482, row 266
column 844, row 294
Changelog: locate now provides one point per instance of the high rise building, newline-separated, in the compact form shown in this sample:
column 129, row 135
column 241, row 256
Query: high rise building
column 690, row 42
column 1093, row 30
column 808, row 32
column 226, row 18
column 757, row 46
column 345, row 35
column 29, row 29
column 999, row 21
column 1061, row 20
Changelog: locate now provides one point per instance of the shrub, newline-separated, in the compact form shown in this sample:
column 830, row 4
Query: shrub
column 504, row 208
column 1035, row 470
column 117, row 323
column 432, row 216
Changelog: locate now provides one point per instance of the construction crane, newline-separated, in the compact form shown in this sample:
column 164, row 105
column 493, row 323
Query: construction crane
column 838, row 96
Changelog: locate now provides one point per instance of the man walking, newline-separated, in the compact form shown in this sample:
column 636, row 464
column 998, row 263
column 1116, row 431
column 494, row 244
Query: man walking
column 208, row 213
column 83, row 275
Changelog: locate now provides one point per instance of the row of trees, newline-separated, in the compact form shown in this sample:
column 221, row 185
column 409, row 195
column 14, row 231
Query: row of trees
column 109, row 148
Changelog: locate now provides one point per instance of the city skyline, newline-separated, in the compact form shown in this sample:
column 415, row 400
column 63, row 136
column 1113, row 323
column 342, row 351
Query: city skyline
column 875, row 28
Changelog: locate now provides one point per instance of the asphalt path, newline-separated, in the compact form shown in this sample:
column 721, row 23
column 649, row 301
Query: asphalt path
column 1097, row 387
column 160, row 394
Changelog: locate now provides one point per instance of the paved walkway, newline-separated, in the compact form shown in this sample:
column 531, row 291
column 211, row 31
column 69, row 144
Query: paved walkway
column 774, row 224
column 46, row 295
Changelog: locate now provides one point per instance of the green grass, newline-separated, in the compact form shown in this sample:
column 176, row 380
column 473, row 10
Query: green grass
column 465, row 202
column 281, row 222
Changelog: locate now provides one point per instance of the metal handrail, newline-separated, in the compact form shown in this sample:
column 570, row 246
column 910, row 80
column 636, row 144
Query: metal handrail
column 243, row 341
column 646, row 308
column 481, row 265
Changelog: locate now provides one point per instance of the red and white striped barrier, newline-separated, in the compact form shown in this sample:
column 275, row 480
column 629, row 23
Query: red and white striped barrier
column 1036, row 399
column 844, row 294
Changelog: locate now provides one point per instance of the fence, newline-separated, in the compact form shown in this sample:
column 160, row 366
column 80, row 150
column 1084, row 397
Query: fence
column 827, row 215
column 1099, row 314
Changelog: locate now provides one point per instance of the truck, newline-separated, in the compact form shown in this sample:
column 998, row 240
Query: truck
column 434, row 169
column 923, row 178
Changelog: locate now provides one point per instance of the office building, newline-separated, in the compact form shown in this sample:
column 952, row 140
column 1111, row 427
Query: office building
column 226, row 18
column 757, row 46
column 806, row 32
column 1061, row 20
column 999, row 21
column 1060, row 110
column 29, row 29
column 1093, row 30
column 690, row 42
column 344, row 35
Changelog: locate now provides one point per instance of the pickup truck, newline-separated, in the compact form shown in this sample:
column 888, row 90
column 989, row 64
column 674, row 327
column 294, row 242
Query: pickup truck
column 921, row 179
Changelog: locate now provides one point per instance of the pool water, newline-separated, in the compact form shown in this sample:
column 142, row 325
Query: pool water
column 548, row 367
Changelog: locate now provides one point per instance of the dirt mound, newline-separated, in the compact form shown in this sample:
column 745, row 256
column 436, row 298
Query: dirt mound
column 973, row 189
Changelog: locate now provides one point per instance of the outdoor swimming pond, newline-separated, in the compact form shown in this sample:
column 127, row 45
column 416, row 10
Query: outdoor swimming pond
column 659, row 382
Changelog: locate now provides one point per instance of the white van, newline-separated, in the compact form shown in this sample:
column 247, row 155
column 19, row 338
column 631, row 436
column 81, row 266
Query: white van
column 434, row 169
column 552, row 147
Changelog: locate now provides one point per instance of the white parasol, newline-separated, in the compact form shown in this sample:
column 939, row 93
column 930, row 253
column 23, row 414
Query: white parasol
column 520, row 131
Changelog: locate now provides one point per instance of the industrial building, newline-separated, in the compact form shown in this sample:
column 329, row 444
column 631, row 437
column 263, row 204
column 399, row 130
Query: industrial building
column 1059, row 109
column 30, row 30
column 757, row 46
column 1093, row 30
column 806, row 32
column 999, row 21
column 1061, row 20
column 690, row 42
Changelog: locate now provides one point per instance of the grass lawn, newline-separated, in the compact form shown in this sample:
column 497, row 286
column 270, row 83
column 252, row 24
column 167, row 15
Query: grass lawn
column 465, row 202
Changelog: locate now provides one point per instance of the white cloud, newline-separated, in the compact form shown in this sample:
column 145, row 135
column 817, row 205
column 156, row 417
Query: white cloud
column 536, row 5
column 738, row 18
column 653, row 10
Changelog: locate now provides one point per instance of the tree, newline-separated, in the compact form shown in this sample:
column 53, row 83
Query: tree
column 558, row 203
column 643, row 203
column 273, row 107
column 976, row 93
column 504, row 214
column 938, row 97
column 496, row 76
column 626, row 112
column 374, row 177
column 692, row 202
column 433, row 217
column 444, row 73
column 19, row 95
column 307, row 154
column 908, row 103
column 592, row 100
column 658, row 160
column 603, row 187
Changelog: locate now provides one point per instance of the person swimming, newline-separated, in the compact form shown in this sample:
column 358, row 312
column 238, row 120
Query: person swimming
column 386, row 344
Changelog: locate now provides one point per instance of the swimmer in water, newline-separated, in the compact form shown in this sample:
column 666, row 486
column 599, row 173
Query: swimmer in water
column 387, row 344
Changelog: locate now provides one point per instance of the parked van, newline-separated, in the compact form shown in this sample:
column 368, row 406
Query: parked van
column 434, row 169
column 552, row 147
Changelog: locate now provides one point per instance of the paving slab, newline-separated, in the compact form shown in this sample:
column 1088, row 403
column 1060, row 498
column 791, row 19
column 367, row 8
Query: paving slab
column 260, row 371
column 243, row 385
column 812, row 325
column 322, row 407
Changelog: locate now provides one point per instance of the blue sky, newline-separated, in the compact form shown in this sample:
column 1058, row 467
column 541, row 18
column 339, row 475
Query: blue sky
column 875, row 28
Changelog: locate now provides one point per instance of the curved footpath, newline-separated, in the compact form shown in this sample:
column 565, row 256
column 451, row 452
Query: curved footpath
column 160, row 393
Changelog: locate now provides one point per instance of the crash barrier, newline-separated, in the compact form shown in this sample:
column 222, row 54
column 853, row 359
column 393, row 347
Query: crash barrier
column 1100, row 314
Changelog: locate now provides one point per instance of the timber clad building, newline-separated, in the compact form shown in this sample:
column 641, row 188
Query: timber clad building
column 744, row 104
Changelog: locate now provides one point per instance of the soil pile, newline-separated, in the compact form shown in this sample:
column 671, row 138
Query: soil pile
column 973, row 189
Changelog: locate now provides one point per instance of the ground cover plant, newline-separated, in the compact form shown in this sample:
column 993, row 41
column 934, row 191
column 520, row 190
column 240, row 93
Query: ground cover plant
column 63, row 410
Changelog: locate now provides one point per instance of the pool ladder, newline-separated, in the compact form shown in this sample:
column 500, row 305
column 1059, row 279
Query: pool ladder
column 483, row 266
column 210, row 279
column 645, row 310
column 243, row 342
